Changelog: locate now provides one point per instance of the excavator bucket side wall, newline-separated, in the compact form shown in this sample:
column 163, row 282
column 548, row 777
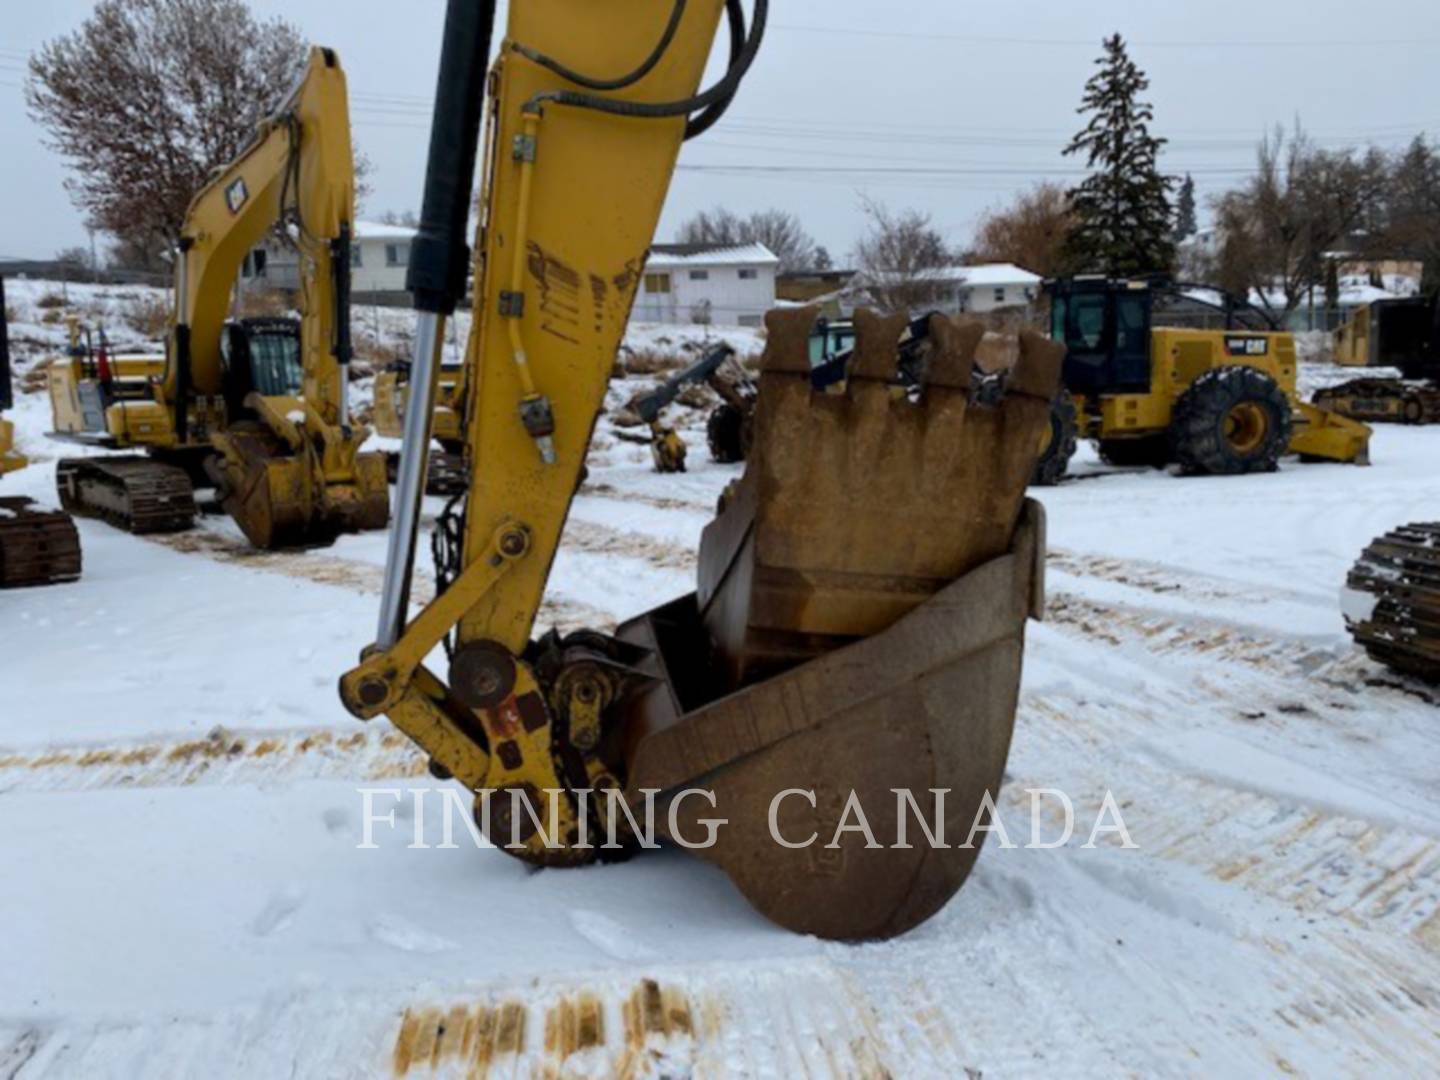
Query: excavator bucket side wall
column 857, row 506
column 927, row 704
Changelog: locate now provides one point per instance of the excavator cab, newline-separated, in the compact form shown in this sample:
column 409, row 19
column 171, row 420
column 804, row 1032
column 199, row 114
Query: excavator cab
column 261, row 356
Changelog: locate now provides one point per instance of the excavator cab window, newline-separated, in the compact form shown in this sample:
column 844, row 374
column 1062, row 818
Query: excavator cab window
column 261, row 356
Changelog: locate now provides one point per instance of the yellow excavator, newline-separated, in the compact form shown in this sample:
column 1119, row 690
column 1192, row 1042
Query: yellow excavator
column 259, row 407
column 858, row 625
column 37, row 547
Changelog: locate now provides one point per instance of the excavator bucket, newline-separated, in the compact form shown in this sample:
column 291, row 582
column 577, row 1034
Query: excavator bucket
column 858, row 629
column 283, row 496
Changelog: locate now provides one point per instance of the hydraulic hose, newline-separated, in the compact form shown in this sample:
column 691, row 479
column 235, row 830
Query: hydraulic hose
column 720, row 93
column 676, row 14
column 703, row 122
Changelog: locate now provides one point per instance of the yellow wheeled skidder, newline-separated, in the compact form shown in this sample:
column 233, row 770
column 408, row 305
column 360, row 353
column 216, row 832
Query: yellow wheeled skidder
column 1214, row 401
column 37, row 547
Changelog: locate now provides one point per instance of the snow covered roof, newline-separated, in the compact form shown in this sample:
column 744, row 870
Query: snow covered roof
column 1351, row 295
column 374, row 230
column 984, row 276
column 991, row 275
column 679, row 256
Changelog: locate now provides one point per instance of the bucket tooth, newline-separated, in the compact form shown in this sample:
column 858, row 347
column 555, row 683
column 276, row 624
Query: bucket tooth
column 787, row 341
column 1037, row 372
column 877, row 346
column 953, row 348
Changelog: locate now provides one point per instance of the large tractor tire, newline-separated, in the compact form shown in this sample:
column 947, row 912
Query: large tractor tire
column 1061, row 441
column 1231, row 421
column 1151, row 452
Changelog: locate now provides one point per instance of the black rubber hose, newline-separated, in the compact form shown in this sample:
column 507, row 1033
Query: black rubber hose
column 720, row 92
column 440, row 256
column 703, row 122
column 676, row 14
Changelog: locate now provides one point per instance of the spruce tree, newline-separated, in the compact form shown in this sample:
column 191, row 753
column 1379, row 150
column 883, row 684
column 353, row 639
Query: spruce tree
column 1186, row 223
column 1124, row 223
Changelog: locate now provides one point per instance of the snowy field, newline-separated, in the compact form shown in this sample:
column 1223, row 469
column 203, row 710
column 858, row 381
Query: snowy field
column 180, row 822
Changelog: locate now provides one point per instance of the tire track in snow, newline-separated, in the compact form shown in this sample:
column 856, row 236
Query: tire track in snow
column 351, row 574
column 223, row 757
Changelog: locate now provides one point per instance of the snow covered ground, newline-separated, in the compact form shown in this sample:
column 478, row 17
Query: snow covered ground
column 180, row 821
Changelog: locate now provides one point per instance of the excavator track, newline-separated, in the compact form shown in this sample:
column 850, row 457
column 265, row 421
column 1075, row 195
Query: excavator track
column 135, row 494
column 1393, row 601
column 37, row 547
column 1382, row 401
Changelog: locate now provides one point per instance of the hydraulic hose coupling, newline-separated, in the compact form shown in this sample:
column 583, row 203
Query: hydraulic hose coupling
column 539, row 420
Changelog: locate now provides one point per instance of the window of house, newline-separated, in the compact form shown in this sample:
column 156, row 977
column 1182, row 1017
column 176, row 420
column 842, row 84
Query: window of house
column 752, row 320
column 1000, row 296
column 749, row 274
column 356, row 260
column 699, row 275
column 657, row 283
column 397, row 254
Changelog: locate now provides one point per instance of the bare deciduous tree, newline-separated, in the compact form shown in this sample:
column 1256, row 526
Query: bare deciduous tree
column 1031, row 232
column 779, row 230
column 1277, row 229
column 899, row 258
column 147, row 97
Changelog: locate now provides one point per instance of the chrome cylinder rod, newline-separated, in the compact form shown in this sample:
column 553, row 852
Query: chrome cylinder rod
column 410, row 484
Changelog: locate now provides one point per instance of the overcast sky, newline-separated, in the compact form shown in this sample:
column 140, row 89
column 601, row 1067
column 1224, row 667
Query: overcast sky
column 943, row 105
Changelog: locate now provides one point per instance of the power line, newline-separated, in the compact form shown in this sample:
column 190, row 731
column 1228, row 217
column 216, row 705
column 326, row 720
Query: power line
column 1091, row 42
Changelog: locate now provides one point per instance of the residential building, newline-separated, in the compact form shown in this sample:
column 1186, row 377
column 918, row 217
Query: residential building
column 708, row 284
column 809, row 286
column 962, row 290
column 379, row 261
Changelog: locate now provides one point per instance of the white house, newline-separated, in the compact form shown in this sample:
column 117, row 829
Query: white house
column 990, row 287
column 713, row 284
column 960, row 290
column 380, row 258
